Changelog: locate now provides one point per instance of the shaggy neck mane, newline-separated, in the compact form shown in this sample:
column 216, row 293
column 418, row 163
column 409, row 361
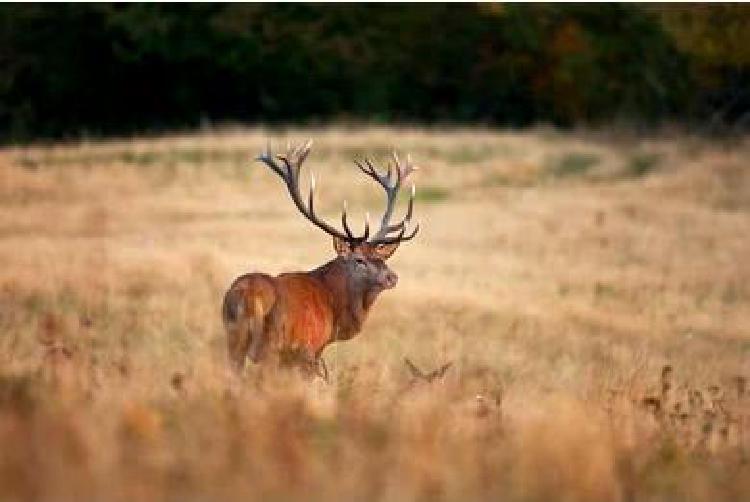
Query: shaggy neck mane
column 350, row 303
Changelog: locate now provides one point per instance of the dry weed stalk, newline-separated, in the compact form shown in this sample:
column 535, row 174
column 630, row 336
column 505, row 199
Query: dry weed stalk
column 701, row 418
column 429, row 376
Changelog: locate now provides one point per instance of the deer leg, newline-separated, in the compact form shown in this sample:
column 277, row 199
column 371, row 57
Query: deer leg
column 257, row 340
column 306, row 363
column 238, row 341
column 321, row 369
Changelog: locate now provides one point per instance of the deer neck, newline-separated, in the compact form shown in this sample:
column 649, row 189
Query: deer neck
column 350, row 302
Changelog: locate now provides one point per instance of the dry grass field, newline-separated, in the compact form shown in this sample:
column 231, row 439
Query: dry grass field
column 593, row 294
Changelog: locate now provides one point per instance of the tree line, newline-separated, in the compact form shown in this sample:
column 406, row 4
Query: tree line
column 96, row 69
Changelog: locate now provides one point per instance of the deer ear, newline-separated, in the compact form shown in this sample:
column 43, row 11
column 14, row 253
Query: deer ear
column 384, row 251
column 341, row 247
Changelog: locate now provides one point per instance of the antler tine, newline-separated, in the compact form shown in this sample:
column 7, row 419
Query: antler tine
column 410, row 208
column 399, row 171
column 268, row 159
column 369, row 169
column 310, row 203
column 389, row 176
column 400, row 237
column 292, row 173
column 383, row 180
column 294, row 157
column 344, row 223
column 348, row 230
column 406, row 169
column 409, row 167
column 367, row 226
column 303, row 151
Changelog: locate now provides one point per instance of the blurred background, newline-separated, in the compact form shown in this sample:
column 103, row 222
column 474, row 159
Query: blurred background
column 96, row 69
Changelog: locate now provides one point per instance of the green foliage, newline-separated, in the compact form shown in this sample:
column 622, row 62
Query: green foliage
column 431, row 194
column 90, row 69
column 642, row 164
column 716, row 40
column 574, row 163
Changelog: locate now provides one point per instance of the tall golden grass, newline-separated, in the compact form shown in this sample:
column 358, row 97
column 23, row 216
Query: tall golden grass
column 593, row 294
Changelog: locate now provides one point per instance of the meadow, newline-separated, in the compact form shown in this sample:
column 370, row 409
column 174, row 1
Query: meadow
column 591, row 290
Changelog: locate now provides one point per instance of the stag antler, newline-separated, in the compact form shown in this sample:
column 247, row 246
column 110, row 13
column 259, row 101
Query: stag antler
column 385, row 234
column 289, row 170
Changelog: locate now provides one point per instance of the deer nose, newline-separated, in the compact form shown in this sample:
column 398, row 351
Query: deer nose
column 390, row 279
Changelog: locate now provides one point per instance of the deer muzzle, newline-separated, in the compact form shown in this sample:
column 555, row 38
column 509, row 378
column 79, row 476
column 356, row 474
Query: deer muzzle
column 388, row 280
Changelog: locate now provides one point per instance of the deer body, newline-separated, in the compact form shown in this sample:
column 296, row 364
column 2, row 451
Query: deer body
column 293, row 311
column 298, row 314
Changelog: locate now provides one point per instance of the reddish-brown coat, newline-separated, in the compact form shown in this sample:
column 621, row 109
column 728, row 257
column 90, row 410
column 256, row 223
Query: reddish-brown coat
column 300, row 313
column 308, row 313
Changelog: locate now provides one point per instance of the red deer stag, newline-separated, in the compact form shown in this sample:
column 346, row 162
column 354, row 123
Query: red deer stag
column 292, row 317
